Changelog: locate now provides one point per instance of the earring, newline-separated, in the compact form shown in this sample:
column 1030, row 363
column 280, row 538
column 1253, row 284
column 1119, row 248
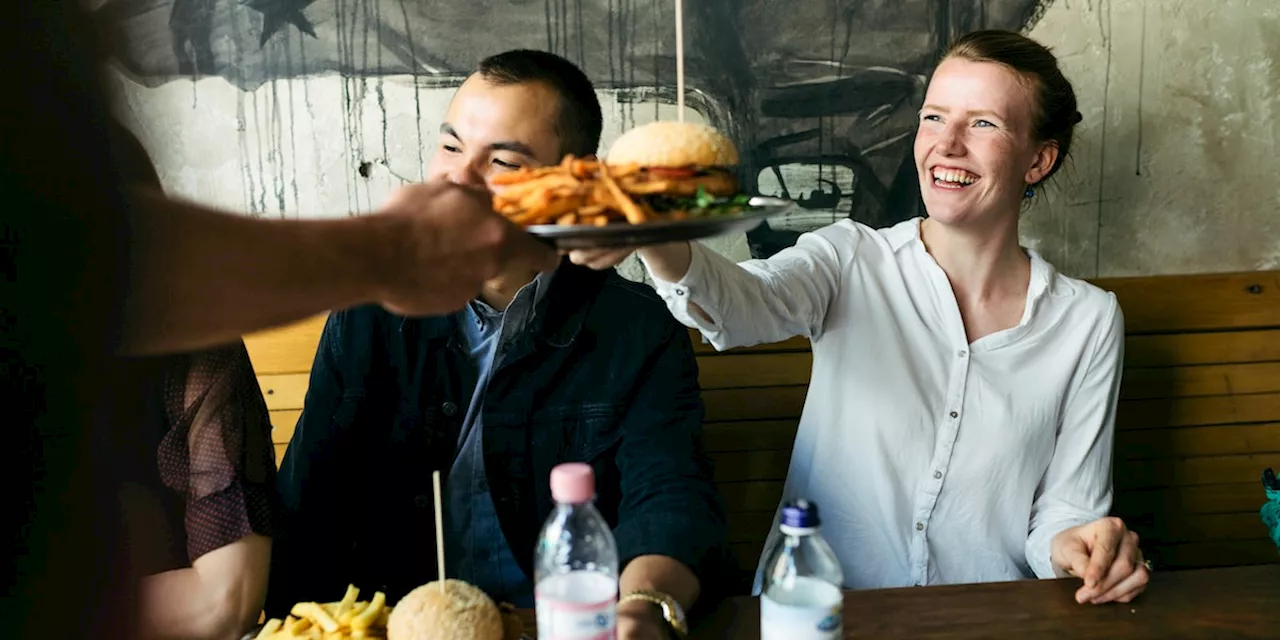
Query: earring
column 1031, row 192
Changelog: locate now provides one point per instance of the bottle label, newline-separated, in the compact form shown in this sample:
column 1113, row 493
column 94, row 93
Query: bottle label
column 569, row 620
column 576, row 606
column 800, row 622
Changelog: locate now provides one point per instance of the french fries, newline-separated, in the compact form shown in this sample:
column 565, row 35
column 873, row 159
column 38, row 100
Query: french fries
column 575, row 192
column 347, row 619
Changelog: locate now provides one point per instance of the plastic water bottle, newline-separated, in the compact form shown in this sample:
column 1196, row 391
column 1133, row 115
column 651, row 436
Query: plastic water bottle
column 576, row 562
column 801, row 597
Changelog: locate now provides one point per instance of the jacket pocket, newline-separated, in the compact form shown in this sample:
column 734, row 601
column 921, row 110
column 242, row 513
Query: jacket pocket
column 583, row 432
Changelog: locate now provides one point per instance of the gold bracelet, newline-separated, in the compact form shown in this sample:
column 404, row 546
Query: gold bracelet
column 671, row 611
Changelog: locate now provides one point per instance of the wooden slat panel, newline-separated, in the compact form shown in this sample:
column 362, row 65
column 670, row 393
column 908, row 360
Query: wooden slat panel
column 1167, row 529
column 1192, row 412
column 289, row 349
column 750, row 526
column 754, row 370
column 760, row 435
column 284, row 390
column 1163, row 304
column 765, row 403
column 1203, row 380
column 1218, row 347
column 1136, row 474
column 1198, row 441
column 283, row 422
column 747, row 554
column 280, row 453
column 741, row 466
column 1213, row 554
column 1214, row 498
column 761, row 495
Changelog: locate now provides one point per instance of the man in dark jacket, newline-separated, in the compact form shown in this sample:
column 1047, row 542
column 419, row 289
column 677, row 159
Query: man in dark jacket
column 542, row 369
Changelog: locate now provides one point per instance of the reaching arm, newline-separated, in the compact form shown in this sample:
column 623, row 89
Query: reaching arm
column 1076, row 488
column 219, row 597
column 757, row 301
column 199, row 277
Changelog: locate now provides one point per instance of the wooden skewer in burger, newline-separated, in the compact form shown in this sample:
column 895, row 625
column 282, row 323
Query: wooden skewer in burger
column 450, row 609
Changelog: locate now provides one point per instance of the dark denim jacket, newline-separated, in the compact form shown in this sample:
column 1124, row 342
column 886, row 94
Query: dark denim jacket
column 604, row 375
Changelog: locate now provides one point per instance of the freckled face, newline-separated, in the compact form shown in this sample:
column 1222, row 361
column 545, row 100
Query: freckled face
column 974, row 149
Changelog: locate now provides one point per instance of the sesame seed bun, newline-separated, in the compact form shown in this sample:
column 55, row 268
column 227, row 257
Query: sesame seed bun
column 459, row 611
column 673, row 145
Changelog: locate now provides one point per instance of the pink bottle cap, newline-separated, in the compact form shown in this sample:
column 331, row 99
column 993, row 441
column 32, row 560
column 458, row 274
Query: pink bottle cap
column 573, row 483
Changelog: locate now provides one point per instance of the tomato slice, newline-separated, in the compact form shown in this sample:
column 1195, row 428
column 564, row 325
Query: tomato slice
column 664, row 172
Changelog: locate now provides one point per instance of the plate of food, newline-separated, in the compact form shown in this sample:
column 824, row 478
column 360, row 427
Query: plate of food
column 661, row 182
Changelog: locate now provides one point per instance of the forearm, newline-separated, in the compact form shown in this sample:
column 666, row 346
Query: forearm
column 181, row 605
column 663, row 574
column 199, row 277
column 1039, row 546
column 669, row 262
column 754, row 302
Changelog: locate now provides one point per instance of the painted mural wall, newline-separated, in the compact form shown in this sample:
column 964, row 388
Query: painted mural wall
column 276, row 107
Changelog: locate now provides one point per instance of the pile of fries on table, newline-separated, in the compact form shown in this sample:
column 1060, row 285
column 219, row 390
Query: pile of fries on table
column 579, row 192
column 343, row 620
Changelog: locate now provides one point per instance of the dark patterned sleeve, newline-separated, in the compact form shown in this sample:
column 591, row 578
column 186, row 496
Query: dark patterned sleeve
column 218, row 453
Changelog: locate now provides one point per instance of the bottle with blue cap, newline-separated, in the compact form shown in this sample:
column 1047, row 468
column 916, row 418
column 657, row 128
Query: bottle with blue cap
column 801, row 597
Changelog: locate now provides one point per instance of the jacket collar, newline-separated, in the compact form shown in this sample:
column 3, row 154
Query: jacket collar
column 558, row 315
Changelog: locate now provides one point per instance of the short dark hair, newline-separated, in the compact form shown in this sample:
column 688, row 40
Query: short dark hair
column 1055, row 115
column 579, row 120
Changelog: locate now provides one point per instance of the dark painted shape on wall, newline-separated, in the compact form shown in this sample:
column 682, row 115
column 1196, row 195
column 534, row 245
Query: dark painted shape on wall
column 819, row 96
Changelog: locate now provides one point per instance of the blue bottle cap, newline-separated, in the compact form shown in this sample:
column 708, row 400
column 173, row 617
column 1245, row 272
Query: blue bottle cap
column 801, row 514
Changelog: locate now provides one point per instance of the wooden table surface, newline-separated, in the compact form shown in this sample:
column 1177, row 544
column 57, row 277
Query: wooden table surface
column 1235, row 602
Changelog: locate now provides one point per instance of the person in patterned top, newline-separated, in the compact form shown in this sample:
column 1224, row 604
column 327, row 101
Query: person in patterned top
column 199, row 499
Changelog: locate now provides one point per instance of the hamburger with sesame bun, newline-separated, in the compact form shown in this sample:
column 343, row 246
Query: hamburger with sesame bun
column 450, row 610
column 685, row 168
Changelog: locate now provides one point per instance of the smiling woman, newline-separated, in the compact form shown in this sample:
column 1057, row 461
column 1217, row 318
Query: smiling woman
column 933, row 324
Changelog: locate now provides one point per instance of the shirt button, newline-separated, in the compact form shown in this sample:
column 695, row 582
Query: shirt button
column 449, row 408
column 954, row 415
column 679, row 292
column 919, row 526
column 937, row 475
column 963, row 353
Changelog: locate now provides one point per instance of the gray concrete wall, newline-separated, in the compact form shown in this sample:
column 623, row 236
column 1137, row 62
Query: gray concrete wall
column 1171, row 171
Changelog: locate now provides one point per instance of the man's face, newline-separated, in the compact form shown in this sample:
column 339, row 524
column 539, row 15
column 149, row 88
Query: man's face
column 492, row 129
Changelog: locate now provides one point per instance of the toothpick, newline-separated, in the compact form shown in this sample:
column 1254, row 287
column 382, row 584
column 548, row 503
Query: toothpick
column 435, row 482
column 680, row 60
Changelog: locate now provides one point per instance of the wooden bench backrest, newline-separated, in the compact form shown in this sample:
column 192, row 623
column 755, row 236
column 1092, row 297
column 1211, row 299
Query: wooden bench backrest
column 1199, row 417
